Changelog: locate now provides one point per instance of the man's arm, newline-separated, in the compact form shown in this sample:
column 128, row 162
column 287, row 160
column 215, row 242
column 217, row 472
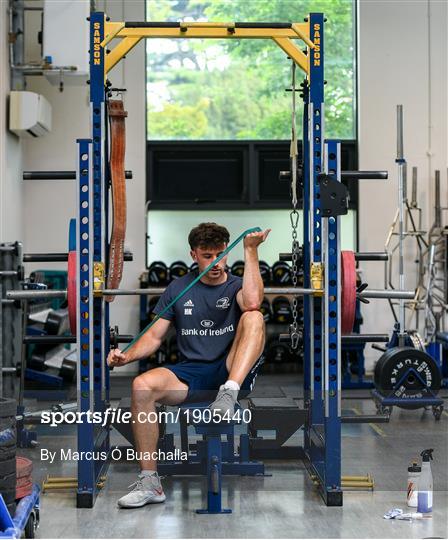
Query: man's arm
column 143, row 347
column 249, row 298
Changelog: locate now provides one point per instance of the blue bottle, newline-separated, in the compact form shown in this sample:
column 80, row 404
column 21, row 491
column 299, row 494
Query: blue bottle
column 425, row 484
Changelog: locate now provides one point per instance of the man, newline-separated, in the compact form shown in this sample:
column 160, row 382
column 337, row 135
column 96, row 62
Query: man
column 220, row 336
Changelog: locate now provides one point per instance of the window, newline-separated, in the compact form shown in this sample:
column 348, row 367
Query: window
column 235, row 89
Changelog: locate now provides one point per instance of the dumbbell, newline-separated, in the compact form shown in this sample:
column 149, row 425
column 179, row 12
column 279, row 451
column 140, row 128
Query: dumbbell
column 37, row 359
column 173, row 351
column 281, row 310
column 237, row 268
column 177, row 270
column 152, row 302
column 266, row 310
column 277, row 352
column 56, row 322
column 159, row 357
column 68, row 369
column 265, row 272
column 281, row 273
column 194, row 267
column 157, row 274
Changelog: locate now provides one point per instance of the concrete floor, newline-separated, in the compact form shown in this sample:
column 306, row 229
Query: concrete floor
column 284, row 505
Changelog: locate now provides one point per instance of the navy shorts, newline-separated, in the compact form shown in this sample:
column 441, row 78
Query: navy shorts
column 205, row 378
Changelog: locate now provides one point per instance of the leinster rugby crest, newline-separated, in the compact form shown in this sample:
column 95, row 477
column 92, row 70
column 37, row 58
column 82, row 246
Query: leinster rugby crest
column 223, row 303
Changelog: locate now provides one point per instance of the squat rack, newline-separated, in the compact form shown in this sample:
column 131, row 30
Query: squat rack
column 321, row 243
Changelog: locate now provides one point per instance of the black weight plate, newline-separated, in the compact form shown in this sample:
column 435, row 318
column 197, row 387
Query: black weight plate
column 9, row 495
column 8, row 407
column 7, row 444
column 378, row 367
column 407, row 365
column 7, row 467
column 8, row 474
column 7, row 422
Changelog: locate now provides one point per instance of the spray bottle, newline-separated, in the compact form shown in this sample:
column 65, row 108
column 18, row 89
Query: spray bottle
column 425, row 484
column 414, row 471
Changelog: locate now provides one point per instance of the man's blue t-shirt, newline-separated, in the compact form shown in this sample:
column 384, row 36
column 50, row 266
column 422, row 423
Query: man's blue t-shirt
column 206, row 317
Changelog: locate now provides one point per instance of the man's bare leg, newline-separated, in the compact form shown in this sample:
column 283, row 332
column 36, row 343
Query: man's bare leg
column 157, row 385
column 160, row 385
column 246, row 349
column 247, row 346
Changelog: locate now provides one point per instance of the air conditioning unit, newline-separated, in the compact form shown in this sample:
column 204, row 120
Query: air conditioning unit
column 29, row 114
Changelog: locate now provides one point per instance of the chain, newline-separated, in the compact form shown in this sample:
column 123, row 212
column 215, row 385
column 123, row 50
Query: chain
column 294, row 215
column 294, row 327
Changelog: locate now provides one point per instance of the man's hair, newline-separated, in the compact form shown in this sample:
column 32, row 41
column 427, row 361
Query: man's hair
column 208, row 235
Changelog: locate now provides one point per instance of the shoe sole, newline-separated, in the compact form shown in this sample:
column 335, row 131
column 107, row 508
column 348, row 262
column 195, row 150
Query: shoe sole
column 154, row 500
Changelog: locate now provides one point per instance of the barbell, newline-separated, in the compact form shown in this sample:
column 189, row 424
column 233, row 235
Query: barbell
column 349, row 292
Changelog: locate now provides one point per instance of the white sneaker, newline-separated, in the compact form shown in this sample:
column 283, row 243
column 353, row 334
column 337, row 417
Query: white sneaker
column 224, row 404
column 146, row 490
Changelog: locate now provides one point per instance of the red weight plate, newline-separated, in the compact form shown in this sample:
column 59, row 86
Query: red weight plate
column 348, row 291
column 24, row 467
column 23, row 481
column 71, row 290
column 24, row 491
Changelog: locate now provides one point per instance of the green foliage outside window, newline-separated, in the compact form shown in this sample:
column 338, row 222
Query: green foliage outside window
column 235, row 89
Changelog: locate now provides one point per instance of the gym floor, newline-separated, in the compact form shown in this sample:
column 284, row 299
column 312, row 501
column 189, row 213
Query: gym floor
column 283, row 505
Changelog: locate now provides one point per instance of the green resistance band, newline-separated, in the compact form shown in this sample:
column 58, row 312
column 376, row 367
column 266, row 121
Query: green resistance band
column 188, row 287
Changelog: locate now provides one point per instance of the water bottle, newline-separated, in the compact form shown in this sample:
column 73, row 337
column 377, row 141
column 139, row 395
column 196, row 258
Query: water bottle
column 414, row 471
column 425, row 484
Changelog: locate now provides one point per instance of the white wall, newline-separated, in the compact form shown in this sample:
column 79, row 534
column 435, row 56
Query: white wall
column 168, row 232
column 396, row 66
column 393, row 69
column 49, row 204
column 11, row 185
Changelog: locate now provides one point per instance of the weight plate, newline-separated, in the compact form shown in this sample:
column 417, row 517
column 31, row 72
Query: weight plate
column 7, row 474
column 24, row 466
column 348, row 291
column 9, row 495
column 24, row 490
column 7, row 444
column 8, row 407
column 24, row 481
column 405, row 372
